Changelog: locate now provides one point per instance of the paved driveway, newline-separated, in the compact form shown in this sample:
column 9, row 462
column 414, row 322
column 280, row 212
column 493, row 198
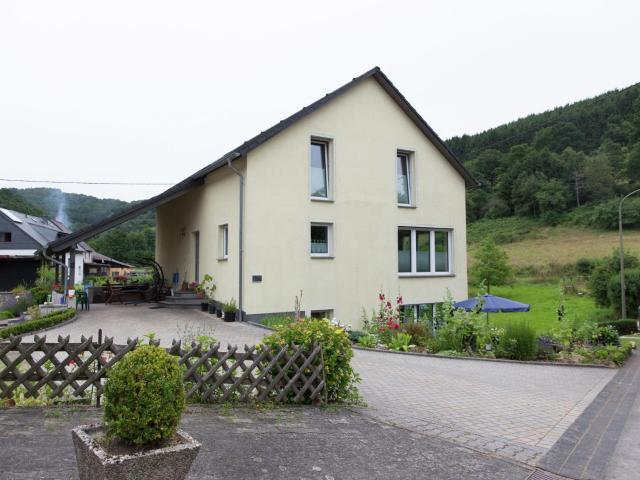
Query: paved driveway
column 128, row 321
column 513, row 410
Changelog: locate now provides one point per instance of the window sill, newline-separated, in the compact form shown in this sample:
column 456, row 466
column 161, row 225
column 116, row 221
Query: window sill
column 423, row 275
column 321, row 257
column 321, row 199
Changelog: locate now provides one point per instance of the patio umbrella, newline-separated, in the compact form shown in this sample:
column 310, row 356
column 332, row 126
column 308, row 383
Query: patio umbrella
column 493, row 304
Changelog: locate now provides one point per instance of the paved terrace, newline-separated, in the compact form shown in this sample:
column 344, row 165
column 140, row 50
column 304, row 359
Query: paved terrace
column 516, row 411
column 284, row 443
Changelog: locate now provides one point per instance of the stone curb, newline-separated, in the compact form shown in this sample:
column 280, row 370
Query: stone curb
column 482, row 359
column 259, row 325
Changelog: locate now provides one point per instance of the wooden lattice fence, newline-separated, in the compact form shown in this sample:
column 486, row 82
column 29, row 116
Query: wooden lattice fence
column 79, row 370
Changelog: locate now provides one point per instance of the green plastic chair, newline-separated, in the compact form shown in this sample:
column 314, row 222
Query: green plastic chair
column 82, row 299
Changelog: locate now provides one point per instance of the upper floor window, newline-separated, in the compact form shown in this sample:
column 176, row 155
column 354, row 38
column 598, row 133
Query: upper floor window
column 5, row 237
column 319, row 172
column 403, row 178
column 424, row 251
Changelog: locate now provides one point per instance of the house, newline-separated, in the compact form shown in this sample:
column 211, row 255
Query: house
column 351, row 196
column 22, row 235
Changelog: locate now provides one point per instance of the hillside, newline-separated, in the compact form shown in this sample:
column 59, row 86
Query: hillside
column 545, row 165
column 127, row 242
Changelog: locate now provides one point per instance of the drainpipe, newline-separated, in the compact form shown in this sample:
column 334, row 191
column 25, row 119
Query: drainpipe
column 65, row 268
column 240, row 235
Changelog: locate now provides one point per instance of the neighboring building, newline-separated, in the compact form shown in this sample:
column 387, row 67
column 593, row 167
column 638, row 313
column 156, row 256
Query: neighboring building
column 21, row 235
column 352, row 195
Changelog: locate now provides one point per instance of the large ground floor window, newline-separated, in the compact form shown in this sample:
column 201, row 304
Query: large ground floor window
column 424, row 251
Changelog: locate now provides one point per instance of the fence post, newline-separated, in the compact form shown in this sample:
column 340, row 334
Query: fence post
column 98, row 362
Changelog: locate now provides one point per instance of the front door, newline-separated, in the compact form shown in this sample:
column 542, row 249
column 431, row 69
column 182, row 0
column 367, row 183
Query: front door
column 196, row 239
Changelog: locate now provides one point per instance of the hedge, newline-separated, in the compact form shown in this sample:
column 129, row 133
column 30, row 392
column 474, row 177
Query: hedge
column 624, row 327
column 45, row 321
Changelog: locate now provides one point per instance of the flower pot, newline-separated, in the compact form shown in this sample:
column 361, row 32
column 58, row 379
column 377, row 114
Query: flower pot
column 229, row 316
column 212, row 308
column 204, row 306
column 168, row 463
column 218, row 313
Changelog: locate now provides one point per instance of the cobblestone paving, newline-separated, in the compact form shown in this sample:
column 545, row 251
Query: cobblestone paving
column 516, row 411
column 128, row 321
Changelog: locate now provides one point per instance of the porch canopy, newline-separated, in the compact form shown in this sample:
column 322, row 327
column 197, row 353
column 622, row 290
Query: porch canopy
column 493, row 304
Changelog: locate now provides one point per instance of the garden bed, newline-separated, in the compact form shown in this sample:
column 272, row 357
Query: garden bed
column 488, row 359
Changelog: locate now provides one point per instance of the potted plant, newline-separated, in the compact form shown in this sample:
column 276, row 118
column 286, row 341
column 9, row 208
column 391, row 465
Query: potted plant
column 209, row 288
column 230, row 310
column 140, row 438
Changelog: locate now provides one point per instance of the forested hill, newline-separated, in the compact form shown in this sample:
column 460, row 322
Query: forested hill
column 547, row 164
column 127, row 242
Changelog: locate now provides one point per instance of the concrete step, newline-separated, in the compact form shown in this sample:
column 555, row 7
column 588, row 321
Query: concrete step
column 185, row 294
column 189, row 303
column 195, row 301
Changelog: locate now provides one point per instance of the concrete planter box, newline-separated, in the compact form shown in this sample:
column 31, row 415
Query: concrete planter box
column 169, row 463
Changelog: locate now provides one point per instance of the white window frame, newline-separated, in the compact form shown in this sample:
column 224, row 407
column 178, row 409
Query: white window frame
column 328, row 149
column 410, row 173
column 223, row 241
column 329, row 253
column 331, row 312
column 432, row 252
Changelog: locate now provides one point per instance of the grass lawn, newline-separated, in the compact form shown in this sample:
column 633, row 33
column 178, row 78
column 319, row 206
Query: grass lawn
column 544, row 299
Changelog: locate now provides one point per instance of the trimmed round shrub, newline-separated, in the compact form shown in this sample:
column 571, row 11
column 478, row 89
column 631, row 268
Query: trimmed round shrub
column 336, row 349
column 144, row 397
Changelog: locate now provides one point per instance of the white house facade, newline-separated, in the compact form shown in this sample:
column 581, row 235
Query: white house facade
column 352, row 196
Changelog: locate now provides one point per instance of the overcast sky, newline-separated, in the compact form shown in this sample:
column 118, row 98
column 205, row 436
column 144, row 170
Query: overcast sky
column 153, row 91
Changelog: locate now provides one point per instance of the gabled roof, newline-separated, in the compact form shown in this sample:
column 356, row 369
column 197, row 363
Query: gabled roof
column 198, row 178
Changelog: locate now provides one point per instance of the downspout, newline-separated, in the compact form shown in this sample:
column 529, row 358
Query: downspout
column 240, row 236
column 65, row 268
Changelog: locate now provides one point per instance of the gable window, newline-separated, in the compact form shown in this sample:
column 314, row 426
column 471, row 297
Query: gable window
column 403, row 178
column 319, row 175
column 321, row 241
column 223, row 242
column 424, row 251
column 5, row 237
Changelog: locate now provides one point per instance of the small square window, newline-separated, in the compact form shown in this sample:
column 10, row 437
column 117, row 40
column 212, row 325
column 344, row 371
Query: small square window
column 319, row 170
column 223, row 242
column 5, row 237
column 321, row 242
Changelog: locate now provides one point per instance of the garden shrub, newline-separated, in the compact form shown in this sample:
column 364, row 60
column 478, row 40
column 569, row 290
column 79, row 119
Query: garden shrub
column 606, row 335
column 354, row 335
column 368, row 341
column 625, row 326
column 45, row 321
column 418, row 333
column 632, row 290
column 337, row 352
column 400, row 342
column 144, row 397
column 5, row 315
column 518, row 342
column 274, row 321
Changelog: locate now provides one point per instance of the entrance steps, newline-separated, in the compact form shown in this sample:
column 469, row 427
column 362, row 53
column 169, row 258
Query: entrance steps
column 181, row 299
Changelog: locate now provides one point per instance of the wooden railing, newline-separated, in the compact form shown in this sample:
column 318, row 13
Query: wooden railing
column 78, row 370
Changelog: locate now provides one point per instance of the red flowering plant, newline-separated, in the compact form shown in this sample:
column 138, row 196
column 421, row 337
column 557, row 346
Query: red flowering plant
column 388, row 318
